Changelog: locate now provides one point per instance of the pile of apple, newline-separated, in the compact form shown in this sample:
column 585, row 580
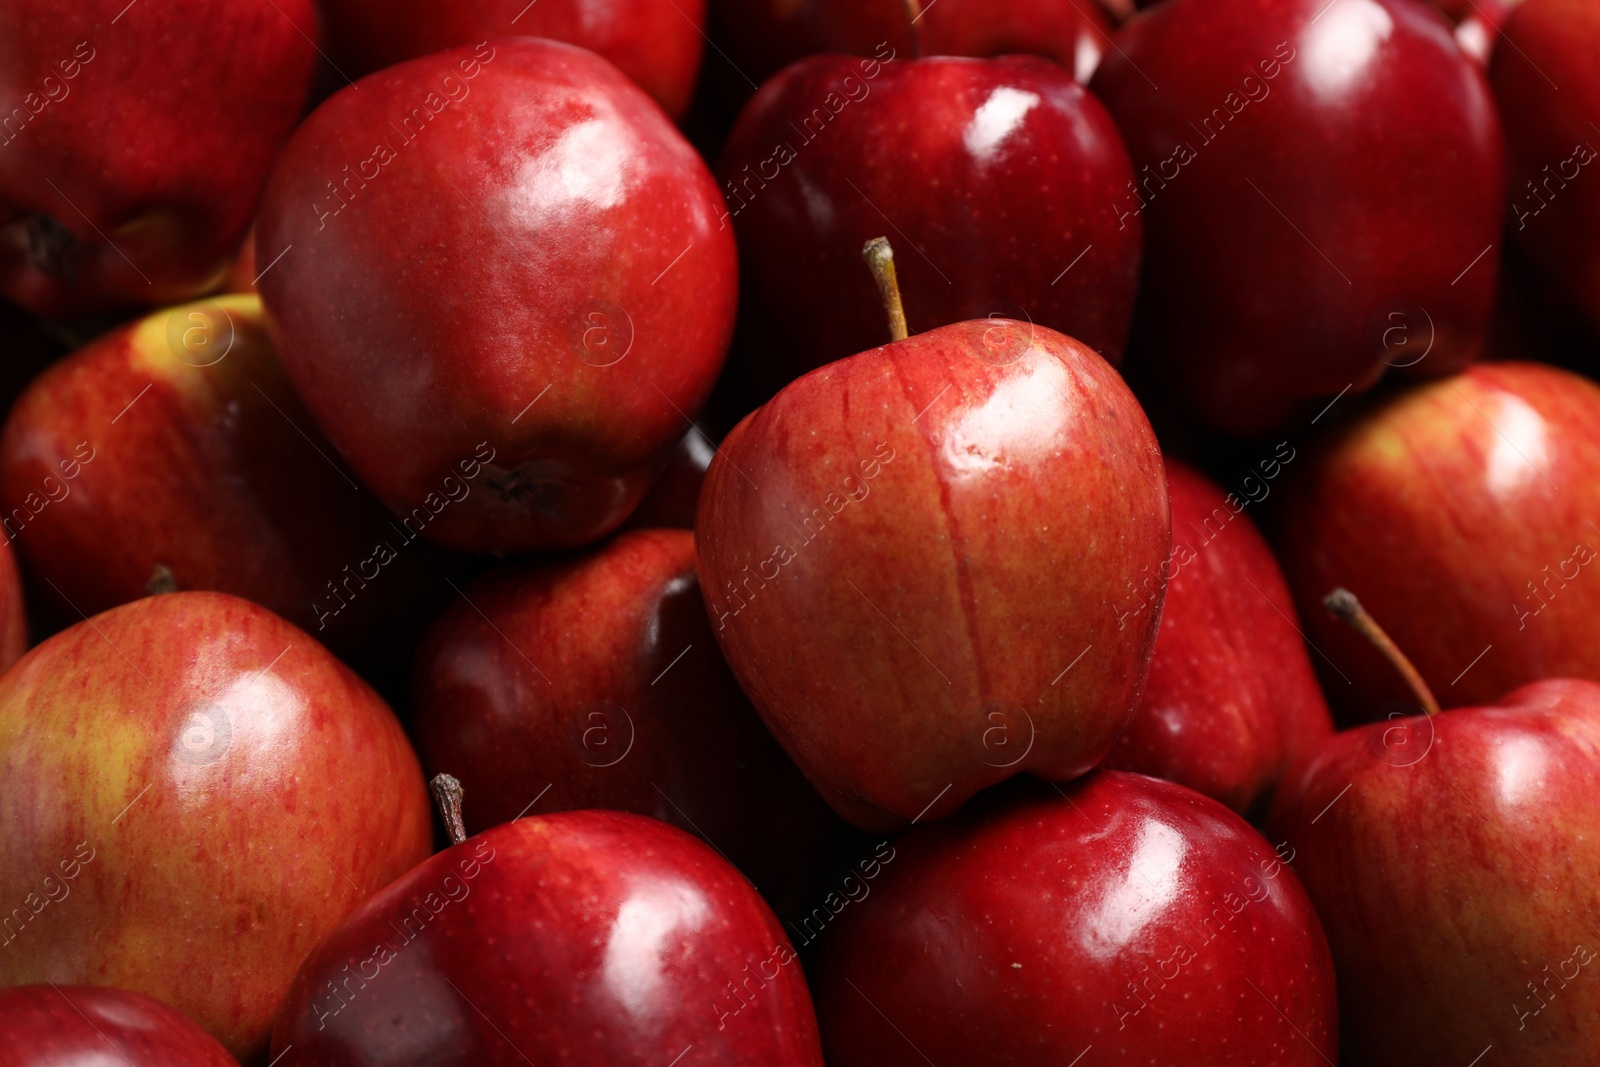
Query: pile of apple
column 877, row 532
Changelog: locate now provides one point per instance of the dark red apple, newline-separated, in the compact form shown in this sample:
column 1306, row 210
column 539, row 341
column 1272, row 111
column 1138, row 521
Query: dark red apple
column 671, row 502
column 595, row 682
column 1548, row 86
column 1119, row 920
column 1454, row 859
column 1311, row 174
column 657, row 43
column 590, row 938
column 1462, row 513
column 180, row 435
column 134, row 142
column 762, row 36
column 1000, row 180
column 193, row 793
column 1232, row 698
column 55, row 1026
column 916, row 561
column 503, row 276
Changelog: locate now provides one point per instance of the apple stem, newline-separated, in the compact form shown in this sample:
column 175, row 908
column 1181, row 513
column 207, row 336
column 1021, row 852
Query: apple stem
column 880, row 260
column 447, row 793
column 1343, row 605
column 914, row 11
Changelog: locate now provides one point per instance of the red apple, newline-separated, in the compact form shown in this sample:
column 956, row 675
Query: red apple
column 1311, row 174
column 1453, row 859
column 134, row 142
column 1462, row 513
column 1551, row 140
column 595, row 682
column 915, row 561
column 193, row 793
column 180, row 433
column 657, row 43
column 1001, row 180
column 504, row 307
column 1122, row 920
column 52, row 1026
column 762, row 36
column 592, row 938
column 1232, row 698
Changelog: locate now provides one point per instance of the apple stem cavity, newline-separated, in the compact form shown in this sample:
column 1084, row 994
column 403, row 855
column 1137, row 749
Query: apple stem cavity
column 447, row 793
column 1343, row 605
column 880, row 260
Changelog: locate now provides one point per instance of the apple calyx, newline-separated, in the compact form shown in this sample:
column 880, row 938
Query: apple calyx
column 447, row 793
column 1343, row 605
column 162, row 580
column 880, row 260
column 52, row 248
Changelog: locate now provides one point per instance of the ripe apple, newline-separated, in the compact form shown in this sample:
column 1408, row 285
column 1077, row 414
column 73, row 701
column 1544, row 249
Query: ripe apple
column 134, row 142
column 762, row 36
column 1551, row 142
column 1453, row 859
column 915, row 560
column 1311, row 174
column 52, row 1026
column 657, row 43
column 1462, row 514
column 585, row 937
column 595, row 682
column 1001, row 178
column 192, row 794
column 1232, row 698
column 504, row 314
column 1123, row 914
column 180, row 433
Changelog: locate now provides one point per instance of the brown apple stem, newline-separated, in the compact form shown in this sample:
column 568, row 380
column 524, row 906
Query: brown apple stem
column 914, row 14
column 880, row 260
column 1343, row 605
column 447, row 793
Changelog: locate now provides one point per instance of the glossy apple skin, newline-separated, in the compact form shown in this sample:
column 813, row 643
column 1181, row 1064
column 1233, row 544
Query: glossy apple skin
column 905, row 553
column 41, row 1026
column 593, row 938
column 763, row 36
column 1460, row 512
column 1231, row 699
column 997, row 176
column 599, row 677
column 1377, row 165
column 1459, row 862
column 180, row 433
column 1123, row 913
column 657, row 43
column 401, row 321
column 194, row 794
column 104, row 204
column 1556, row 220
